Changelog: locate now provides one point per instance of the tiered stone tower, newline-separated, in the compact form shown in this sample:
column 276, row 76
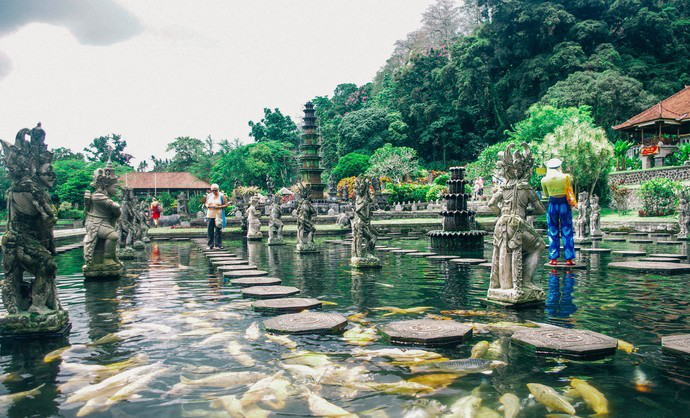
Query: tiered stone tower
column 459, row 228
column 310, row 171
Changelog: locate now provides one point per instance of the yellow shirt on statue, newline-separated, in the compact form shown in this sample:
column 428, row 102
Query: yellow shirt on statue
column 554, row 184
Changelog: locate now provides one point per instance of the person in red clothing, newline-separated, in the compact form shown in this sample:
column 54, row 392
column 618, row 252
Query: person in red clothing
column 156, row 210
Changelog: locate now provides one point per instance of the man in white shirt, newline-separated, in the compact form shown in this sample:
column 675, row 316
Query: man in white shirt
column 215, row 204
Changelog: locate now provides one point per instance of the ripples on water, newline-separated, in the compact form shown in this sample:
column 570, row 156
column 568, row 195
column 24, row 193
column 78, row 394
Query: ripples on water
column 174, row 281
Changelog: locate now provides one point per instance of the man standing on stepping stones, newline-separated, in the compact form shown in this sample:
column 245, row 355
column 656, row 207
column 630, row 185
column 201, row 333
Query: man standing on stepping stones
column 559, row 218
column 215, row 203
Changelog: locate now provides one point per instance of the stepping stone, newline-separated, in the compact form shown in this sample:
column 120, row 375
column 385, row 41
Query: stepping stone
column 395, row 233
column 221, row 256
column 384, row 239
column 468, row 261
column 331, row 241
column 180, row 239
column 640, row 241
column 627, row 253
column 236, row 267
column 618, row 233
column 306, row 323
column 652, row 267
column 485, row 265
column 226, row 261
column 234, row 263
column 390, row 249
column 404, row 251
column 286, row 304
column 256, row 281
column 409, row 238
column 269, row 292
column 596, row 250
column 639, row 234
column 560, row 265
column 441, row 257
column 659, row 260
column 427, row 254
column 614, row 239
column 669, row 242
column 244, row 273
column 380, row 247
column 567, row 342
column 660, row 234
column 428, row 332
column 678, row 256
column 679, row 344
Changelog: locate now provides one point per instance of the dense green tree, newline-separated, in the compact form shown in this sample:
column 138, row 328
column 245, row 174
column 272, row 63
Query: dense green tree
column 350, row 165
column 397, row 163
column 105, row 147
column 275, row 126
column 368, row 129
column 74, row 176
column 63, row 153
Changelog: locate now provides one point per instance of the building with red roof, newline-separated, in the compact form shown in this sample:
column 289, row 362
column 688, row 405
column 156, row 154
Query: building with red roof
column 157, row 182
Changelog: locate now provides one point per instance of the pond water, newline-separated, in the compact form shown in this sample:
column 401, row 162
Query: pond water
column 173, row 286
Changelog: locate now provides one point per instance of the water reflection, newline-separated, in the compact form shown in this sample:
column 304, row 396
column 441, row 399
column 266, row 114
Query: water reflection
column 559, row 301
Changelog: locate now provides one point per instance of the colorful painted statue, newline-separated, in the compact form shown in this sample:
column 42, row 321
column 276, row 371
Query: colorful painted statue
column 559, row 218
column 102, row 215
column 364, row 234
column 517, row 246
column 33, row 308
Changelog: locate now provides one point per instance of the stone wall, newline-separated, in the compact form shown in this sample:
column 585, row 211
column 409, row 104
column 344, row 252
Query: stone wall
column 640, row 176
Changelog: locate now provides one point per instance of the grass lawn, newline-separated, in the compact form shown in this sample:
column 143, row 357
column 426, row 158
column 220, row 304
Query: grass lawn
column 609, row 215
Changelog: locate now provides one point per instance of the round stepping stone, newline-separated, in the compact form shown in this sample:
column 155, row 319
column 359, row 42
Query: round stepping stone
column 237, row 267
column 269, row 292
column 626, row 253
column 234, row 263
column 427, row 254
column 639, row 234
column 676, row 343
column 225, row 261
column 669, row 242
column 221, row 256
column 441, row 257
column 659, row 260
column 331, row 241
column 468, row 261
column 560, row 265
column 618, row 233
column 256, row 281
column 395, row 233
column 660, row 234
column 306, row 323
column 596, row 250
column 485, row 265
column 380, row 247
column 678, row 256
column 403, row 251
column 286, row 304
column 614, row 239
column 427, row 332
column 180, row 239
column 640, row 241
column 384, row 239
column 390, row 249
column 244, row 273
column 567, row 342
column 652, row 267
column 409, row 238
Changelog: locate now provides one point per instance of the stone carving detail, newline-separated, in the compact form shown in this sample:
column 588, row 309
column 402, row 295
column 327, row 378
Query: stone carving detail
column 275, row 224
column 364, row 234
column 594, row 216
column 28, row 244
column 517, row 245
column 140, row 225
column 305, row 221
column 582, row 227
column 684, row 217
column 102, row 215
column 182, row 205
column 270, row 185
column 125, row 226
column 146, row 218
column 253, row 220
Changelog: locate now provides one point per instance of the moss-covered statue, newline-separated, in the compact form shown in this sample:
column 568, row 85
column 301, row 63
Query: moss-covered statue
column 517, row 246
column 275, row 224
column 364, row 235
column 306, row 228
column 125, row 226
column 102, row 215
column 28, row 244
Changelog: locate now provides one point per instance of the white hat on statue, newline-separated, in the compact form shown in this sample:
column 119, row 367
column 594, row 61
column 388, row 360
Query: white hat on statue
column 554, row 163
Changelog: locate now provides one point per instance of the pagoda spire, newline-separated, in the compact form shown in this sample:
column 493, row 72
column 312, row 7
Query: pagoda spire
column 310, row 157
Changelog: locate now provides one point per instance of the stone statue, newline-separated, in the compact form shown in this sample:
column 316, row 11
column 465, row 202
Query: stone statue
column 582, row 222
column 33, row 308
column 253, row 220
column 139, row 224
column 144, row 211
column 270, row 184
column 594, row 216
column 182, row 205
column 102, row 215
column 684, row 217
column 332, row 190
column 364, row 235
column 345, row 220
column 305, row 221
column 125, row 227
column 275, row 224
column 517, row 246
column 346, row 193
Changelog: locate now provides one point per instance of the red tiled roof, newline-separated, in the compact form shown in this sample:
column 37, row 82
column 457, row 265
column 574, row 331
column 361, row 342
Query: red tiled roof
column 676, row 107
column 177, row 180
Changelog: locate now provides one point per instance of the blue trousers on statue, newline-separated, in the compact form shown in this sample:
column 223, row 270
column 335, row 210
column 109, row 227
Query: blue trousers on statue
column 559, row 220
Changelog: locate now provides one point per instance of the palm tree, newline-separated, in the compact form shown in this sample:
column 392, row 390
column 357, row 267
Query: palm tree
column 620, row 149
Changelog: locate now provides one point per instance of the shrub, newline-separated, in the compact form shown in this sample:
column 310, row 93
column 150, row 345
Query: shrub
column 442, row 179
column 406, row 192
column 659, row 196
column 435, row 192
column 350, row 181
column 352, row 164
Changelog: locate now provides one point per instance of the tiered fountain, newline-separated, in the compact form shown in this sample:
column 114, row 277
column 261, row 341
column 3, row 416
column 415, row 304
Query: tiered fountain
column 459, row 228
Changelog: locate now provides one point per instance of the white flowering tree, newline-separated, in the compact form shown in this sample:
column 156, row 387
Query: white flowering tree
column 393, row 162
column 586, row 152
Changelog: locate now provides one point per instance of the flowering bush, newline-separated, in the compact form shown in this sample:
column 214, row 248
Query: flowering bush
column 659, row 196
column 350, row 182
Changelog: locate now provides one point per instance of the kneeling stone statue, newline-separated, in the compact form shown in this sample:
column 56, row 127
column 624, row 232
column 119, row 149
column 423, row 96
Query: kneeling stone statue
column 102, row 214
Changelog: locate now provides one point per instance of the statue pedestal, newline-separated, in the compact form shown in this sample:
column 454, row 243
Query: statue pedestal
column 365, row 262
column 102, row 271
column 510, row 298
column 27, row 325
column 126, row 253
column 306, row 248
column 139, row 245
column 255, row 237
column 276, row 241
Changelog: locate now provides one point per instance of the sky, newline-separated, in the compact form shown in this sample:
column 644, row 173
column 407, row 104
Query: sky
column 157, row 69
